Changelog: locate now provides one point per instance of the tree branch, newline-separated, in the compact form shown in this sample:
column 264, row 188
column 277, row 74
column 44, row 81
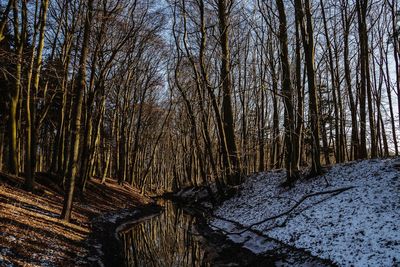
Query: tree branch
column 305, row 197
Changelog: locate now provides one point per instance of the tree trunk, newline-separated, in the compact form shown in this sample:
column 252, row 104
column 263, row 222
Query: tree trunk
column 308, row 44
column 234, row 176
column 287, row 92
column 76, row 116
column 35, row 69
column 355, row 145
column 20, row 38
column 361, row 6
column 298, row 137
column 335, row 91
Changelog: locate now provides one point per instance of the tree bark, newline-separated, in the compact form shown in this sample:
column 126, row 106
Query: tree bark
column 309, row 50
column 76, row 116
column 287, row 92
column 20, row 38
column 235, row 175
column 355, row 145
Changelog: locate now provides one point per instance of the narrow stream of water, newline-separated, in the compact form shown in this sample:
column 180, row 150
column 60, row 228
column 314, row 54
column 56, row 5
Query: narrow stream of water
column 166, row 239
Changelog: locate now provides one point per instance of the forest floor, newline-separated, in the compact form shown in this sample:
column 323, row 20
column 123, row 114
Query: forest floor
column 33, row 235
column 350, row 215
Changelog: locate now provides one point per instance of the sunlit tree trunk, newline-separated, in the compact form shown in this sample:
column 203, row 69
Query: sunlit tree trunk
column 35, row 69
column 29, row 179
column 76, row 116
column 20, row 38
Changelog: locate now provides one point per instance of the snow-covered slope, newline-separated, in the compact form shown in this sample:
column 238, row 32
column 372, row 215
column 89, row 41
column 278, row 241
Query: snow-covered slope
column 357, row 227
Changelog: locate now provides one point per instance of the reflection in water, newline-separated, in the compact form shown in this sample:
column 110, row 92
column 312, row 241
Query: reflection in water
column 164, row 240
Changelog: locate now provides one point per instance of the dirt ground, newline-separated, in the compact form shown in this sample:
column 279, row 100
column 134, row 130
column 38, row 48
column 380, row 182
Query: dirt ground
column 31, row 233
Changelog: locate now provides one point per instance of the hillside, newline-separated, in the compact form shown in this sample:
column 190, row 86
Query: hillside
column 33, row 235
column 350, row 215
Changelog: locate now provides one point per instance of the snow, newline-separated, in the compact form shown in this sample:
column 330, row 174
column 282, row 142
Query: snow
column 4, row 252
column 357, row 227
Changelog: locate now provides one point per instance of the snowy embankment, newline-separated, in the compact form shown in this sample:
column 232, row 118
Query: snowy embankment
column 357, row 227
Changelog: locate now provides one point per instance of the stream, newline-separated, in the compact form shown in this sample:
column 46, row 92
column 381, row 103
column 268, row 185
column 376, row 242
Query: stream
column 166, row 239
column 177, row 237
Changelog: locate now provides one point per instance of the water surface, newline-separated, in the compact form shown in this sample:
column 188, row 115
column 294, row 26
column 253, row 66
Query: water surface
column 167, row 239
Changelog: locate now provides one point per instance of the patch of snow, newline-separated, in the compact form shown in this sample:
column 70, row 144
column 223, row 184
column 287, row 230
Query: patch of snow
column 5, row 263
column 358, row 227
column 5, row 251
column 46, row 263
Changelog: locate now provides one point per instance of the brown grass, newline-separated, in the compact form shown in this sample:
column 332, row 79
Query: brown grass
column 31, row 233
